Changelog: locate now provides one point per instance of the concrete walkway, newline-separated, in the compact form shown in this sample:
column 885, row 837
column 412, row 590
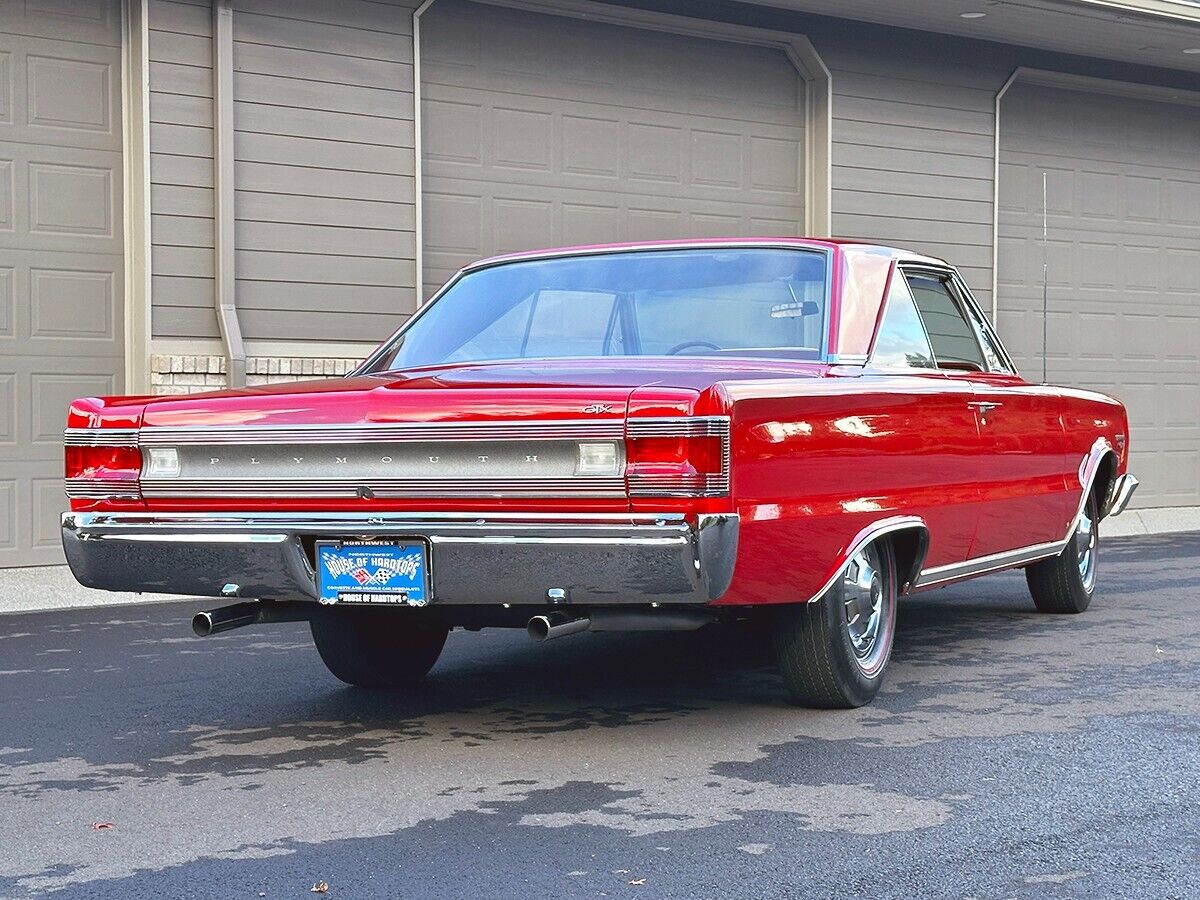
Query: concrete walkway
column 54, row 587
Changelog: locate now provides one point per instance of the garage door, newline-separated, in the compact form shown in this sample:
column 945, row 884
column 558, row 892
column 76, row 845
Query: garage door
column 60, row 249
column 543, row 130
column 1124, row 259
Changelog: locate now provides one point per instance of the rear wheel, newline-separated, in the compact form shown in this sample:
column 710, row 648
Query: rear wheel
column 1065, row 583
column 832, row 652
column 376, row 648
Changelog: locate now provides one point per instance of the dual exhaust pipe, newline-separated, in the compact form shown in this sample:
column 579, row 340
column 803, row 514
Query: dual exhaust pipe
column 553, row 625
column 541, row 628
column 239, row 615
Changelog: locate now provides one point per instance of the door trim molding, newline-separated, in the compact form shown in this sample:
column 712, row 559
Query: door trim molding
column 817, row 174
column 135, row 147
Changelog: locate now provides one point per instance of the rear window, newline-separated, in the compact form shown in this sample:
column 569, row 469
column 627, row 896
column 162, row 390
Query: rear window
column 744, row 301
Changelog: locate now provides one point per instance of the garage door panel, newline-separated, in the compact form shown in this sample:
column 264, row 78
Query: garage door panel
column 57, row 304
column 61, row 250
column 61, row 92
column 542, row 130
column 1124, row 261
column 591, row 62
column 70, row 199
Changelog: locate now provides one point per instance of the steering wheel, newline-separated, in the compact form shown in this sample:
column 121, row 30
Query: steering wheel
column 679, row 348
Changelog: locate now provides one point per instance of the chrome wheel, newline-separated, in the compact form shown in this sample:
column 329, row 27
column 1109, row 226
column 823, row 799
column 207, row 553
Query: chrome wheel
column 1086, row 548
column 864, row 598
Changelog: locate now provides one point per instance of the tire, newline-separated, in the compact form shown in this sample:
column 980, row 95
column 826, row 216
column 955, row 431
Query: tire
column 1066, row 583
column 825, row 659
column 376, row 648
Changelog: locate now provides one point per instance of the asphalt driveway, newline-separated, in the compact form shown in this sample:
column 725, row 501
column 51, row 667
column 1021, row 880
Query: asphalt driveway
column 1010, row 755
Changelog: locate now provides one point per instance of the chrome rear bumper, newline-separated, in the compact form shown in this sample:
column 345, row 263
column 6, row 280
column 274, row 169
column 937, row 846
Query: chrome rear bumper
column 474, row 558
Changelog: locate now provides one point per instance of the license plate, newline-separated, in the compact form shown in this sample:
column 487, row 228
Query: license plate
column 387, row 572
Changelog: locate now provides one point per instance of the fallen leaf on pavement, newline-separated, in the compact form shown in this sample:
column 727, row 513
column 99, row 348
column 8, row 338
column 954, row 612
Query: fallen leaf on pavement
column 97, row 826
column 321, row 887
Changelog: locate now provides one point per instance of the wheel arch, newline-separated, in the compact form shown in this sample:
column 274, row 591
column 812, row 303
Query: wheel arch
column 909, row 538
column 1098, row 475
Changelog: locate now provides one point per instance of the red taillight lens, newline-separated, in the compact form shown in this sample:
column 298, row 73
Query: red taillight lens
column 690, row 455
column 103, row 463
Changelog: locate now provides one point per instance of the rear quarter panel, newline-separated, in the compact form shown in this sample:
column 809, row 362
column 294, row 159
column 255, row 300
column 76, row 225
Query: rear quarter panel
column 814, row 463
column 1094, row 422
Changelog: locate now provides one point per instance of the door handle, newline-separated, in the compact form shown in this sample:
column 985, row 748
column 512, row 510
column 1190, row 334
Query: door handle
column 984, row 407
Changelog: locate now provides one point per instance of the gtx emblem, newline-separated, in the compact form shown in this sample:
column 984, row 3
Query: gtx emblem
column 597, row 408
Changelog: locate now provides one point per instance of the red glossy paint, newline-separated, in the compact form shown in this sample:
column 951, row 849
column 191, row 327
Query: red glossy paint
column 819, row 451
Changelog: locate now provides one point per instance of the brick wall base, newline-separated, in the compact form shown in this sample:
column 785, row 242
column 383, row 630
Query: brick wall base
column 173, row 374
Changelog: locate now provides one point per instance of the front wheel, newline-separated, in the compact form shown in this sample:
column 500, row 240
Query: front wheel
column 832, row 652
column 376, row 648
column 1065, row 583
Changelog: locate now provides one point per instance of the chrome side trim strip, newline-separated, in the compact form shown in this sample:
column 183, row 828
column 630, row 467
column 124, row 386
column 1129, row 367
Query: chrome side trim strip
column 384, row 487
column 101, row 489
column 981, row 565
column 505, row 430
column 679, row 426
column 100, row 437
column 352, row 521
column 872, row 532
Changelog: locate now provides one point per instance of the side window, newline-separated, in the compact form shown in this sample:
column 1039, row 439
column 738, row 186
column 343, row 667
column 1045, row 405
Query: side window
column 991, row 351
column 951, row 336
column 570, row 323
column 902, row 340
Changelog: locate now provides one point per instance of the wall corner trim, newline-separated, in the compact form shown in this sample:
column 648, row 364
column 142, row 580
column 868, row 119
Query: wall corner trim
column 135, row 140
column 224, row 242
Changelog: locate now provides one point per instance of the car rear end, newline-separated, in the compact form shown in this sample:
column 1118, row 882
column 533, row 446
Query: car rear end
column 497, row 497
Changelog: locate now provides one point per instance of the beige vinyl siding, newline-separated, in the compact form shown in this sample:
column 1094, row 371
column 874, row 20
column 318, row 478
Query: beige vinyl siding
column 181, row 169
column 324, row 168
column 323, row 148
column 913, row 140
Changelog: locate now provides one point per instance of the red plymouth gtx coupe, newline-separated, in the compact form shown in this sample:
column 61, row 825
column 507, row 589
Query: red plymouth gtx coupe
column 635, row 437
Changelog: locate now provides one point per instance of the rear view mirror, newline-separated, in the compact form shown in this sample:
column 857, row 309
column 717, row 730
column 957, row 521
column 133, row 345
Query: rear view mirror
column 795, row 310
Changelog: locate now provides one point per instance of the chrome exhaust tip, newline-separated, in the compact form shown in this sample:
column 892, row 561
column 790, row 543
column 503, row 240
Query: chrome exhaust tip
column 253, row 612
column 546, row 628
column 225, row 618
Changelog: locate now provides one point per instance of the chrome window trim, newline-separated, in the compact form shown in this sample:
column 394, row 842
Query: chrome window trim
column 950, row 274
column 869, row 360
column 366, row 368
column 981, row 321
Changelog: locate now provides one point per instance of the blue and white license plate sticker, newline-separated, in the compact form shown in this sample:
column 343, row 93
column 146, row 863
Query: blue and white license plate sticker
column 372, row 572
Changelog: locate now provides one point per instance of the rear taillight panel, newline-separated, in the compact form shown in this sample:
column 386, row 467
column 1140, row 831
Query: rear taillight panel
column 673, row 456
column 102, row 464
